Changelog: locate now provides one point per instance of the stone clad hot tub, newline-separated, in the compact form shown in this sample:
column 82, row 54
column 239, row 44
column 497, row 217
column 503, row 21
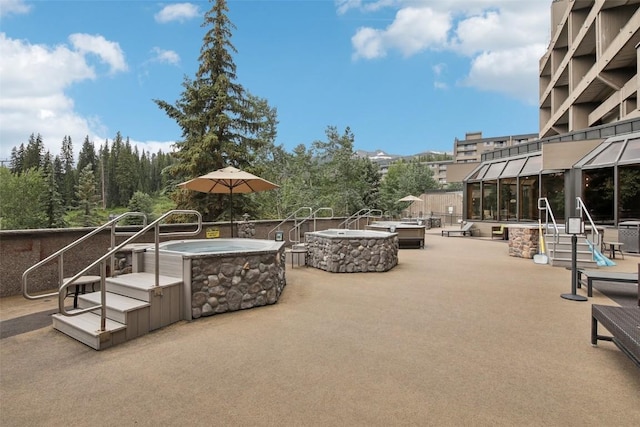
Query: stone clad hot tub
column 352, row 251
column 222, row 275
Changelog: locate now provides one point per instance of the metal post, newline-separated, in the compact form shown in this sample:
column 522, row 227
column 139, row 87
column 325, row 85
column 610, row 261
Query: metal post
column 574, row 272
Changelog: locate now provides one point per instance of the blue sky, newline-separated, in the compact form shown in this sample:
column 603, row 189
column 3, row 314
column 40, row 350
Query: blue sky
column 405, row 76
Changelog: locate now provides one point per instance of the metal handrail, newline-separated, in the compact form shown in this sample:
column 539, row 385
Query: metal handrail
column 294, row 216
column 543, row 205
column 315, row 215
column 101, row 261
column 362, row 213
column 595, row 234
column 60, row 253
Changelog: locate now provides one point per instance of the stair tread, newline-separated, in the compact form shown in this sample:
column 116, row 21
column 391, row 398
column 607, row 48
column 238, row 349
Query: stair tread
column 115, row 302
column 89, row 323
column 144, row 281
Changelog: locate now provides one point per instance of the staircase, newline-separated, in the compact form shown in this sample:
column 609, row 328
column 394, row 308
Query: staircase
column 134, row 307
column 126, row 306
column 560, row 253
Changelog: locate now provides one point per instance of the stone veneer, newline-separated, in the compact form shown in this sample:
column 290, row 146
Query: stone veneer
column 523, row 241
column 234, row 283
column 342, row 254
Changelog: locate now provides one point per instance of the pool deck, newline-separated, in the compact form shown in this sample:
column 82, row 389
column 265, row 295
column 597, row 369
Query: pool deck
column 456, row 334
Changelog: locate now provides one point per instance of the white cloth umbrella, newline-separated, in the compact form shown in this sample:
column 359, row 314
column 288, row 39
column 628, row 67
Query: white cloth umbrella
column 410, row 199
column 228, row 180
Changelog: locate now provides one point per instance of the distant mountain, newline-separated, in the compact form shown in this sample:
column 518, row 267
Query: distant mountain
column 381, row 156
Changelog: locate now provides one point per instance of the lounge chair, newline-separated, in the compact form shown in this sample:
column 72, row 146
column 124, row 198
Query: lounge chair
column 497, row 231
column 464, row 230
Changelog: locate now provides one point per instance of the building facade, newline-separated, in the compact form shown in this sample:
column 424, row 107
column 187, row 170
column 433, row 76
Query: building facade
column 588, row 76
column 470, row 149
column 589, row 145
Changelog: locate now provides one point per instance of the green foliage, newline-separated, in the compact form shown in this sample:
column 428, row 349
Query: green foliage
column 402, row 179
column 20, row 201
column 51, row 199
column 87, row 197
column 141, row 202
column 222, row 124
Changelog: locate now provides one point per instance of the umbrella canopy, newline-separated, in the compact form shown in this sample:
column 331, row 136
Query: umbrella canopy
column 228, row 180
column 411, row 199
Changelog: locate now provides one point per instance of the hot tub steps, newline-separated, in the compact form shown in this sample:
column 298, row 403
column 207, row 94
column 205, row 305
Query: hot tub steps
column 134, row 307
column 86, row 329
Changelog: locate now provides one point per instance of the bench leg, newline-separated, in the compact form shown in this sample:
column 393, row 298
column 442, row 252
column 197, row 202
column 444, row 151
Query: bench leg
column 589, row 287
column 594, row 331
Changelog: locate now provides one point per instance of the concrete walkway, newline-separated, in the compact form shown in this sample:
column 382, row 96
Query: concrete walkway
column 457, row 334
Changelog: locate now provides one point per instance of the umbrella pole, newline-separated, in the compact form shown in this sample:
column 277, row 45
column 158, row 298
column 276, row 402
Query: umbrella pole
column 231, row 209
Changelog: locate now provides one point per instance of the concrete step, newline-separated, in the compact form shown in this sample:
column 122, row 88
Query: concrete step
column 139, row 286
column 129, row 311
column 86, row 329
column 567, row 262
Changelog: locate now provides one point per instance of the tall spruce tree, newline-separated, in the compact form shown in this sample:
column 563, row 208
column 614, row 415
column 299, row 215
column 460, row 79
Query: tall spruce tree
column 221, row 123
column 51, row 200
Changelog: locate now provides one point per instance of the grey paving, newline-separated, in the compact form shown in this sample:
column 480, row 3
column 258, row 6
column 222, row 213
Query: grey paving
column 457, row 334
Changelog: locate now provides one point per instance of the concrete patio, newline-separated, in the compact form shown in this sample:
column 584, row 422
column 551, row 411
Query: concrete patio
column 457, row 334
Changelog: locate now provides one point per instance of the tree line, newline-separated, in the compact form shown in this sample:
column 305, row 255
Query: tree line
column 222, row 124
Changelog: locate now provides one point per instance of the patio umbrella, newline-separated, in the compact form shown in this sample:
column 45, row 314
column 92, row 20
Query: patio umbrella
column 228, row 180
column 411, row 199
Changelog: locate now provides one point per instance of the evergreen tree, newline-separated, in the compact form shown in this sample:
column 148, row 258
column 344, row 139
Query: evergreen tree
column 17, row 159
column 87, row 156
column 33, row 153
column 67, row 190
column 51, row 201
column 87, row 197
column 220, row 122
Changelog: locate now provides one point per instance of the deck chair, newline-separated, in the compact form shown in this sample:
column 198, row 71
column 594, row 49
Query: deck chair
column 497, row 231
column 465, row 230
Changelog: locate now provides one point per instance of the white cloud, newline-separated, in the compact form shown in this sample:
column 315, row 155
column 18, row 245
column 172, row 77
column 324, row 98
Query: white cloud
column 165, row 56
column 35, row 79
column 180, row 12
column 502, row 39
column 108, row 52
column 16, row 7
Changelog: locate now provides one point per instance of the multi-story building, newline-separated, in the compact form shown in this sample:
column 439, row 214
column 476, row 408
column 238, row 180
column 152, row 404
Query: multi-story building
column 470, row 149
column 589, row 146
column 588, row 76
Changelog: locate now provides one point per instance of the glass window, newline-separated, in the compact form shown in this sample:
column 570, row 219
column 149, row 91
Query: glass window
column 528, row 200
column 508, row 196
column 629, row 192
column 553, row 190
column 608, row 156
column 480, row 173
column 494, row 170
column 533, row 166
column 473, row 200
column 513, row 168
column 632, row 152
column 598, row 190
column 490, row 200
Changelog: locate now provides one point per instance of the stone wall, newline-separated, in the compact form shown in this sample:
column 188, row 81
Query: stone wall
column 523, row 242
column 221, row 284
column 352, row 254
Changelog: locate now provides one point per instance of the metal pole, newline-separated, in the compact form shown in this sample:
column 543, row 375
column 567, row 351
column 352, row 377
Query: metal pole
column 574, row 272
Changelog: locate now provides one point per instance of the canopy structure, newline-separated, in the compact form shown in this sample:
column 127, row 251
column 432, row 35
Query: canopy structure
column 228, row 180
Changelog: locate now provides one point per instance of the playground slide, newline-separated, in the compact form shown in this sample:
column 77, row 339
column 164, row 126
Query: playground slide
column 601, row 260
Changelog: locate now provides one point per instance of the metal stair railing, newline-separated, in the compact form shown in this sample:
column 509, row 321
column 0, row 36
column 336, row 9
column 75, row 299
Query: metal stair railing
column 315, row 215
column 292, row 216
column 543, row 205
column 595, row 234
column 60, row 253
column 101, row 262
column 362, row 213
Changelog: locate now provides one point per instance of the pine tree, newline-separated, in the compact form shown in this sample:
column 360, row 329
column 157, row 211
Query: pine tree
column 51, row 199
column 33, row 153
column 67, row 190
column 87, row 197
column 220, row 121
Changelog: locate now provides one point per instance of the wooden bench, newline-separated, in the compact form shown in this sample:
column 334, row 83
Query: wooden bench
column 604, row 276
column 624, row 325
